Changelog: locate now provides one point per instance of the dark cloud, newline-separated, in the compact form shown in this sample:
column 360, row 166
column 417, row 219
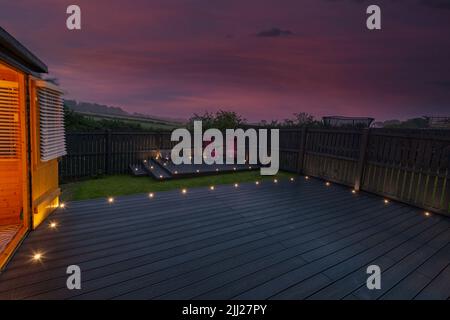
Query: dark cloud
column 437, row 4
column 274, row 32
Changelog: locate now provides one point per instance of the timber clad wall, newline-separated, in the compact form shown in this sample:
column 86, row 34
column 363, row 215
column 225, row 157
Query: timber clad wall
column 408, row 165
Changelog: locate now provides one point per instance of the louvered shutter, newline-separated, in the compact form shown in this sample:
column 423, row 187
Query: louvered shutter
column 9, row 120
column 51, row 121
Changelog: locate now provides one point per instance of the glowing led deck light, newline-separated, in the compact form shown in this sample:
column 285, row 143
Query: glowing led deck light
column 211, row 188
column 160, row 176
column 306, row 178
column 353, row 191
column 386, row 201
column 257, row 183
column 184, row 191
column 234, row 168
column 236, row 185
column 427, row 214
column 53, row 224
column 151, row 195
column 62, row 205
column 198, row 171
column 327, row 184
column 176, row 172
column 217, row 169
column 292, row 179
column 110, row 199
column 152, row 167
column 275, row 181
column 37, row 256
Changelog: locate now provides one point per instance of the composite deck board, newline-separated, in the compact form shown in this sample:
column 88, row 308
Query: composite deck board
column 104, row 267
column 286, row 240
column 222, row 225
column 355, row 280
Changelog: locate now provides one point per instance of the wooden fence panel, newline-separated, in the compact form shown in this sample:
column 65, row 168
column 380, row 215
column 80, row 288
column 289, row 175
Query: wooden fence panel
column 97, row 153
column 333, row 155
column 85, row 155
column 290, row 150
column 412, row 167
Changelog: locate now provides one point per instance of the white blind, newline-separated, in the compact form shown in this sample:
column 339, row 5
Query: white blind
column 51, row 121
column 9, row 120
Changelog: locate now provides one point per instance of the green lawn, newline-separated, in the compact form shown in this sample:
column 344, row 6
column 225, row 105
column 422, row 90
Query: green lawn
column 124, row 184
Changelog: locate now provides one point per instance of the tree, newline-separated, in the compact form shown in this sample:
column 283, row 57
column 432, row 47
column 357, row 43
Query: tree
column 220, row 120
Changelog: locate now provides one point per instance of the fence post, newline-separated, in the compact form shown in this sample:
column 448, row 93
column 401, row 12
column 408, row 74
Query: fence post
column 301, row 150
column 362, row 157
column 108, row 153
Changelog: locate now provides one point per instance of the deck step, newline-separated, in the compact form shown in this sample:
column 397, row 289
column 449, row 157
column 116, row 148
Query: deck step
column 138, row 170
column 156, row 170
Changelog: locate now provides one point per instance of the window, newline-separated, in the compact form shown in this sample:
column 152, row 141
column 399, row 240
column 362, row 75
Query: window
column 51, row 121
column 9, row 120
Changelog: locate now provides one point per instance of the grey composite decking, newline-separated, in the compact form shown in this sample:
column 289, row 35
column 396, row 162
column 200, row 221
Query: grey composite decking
column 286, row 240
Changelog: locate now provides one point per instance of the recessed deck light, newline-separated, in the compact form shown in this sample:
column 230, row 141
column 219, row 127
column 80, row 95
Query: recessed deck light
column 37, row 256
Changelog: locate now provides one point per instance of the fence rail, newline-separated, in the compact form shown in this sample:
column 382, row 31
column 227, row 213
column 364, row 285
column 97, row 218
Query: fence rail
column 407, row 165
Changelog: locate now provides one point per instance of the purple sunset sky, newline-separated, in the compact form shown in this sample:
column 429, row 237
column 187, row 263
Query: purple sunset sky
column 172, row 58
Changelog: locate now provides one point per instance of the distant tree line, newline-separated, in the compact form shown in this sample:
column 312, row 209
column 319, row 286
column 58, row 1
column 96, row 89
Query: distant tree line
column 222, row 120
column 77, row 122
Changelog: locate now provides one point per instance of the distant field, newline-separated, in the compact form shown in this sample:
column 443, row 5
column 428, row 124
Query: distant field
column 146, row 123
